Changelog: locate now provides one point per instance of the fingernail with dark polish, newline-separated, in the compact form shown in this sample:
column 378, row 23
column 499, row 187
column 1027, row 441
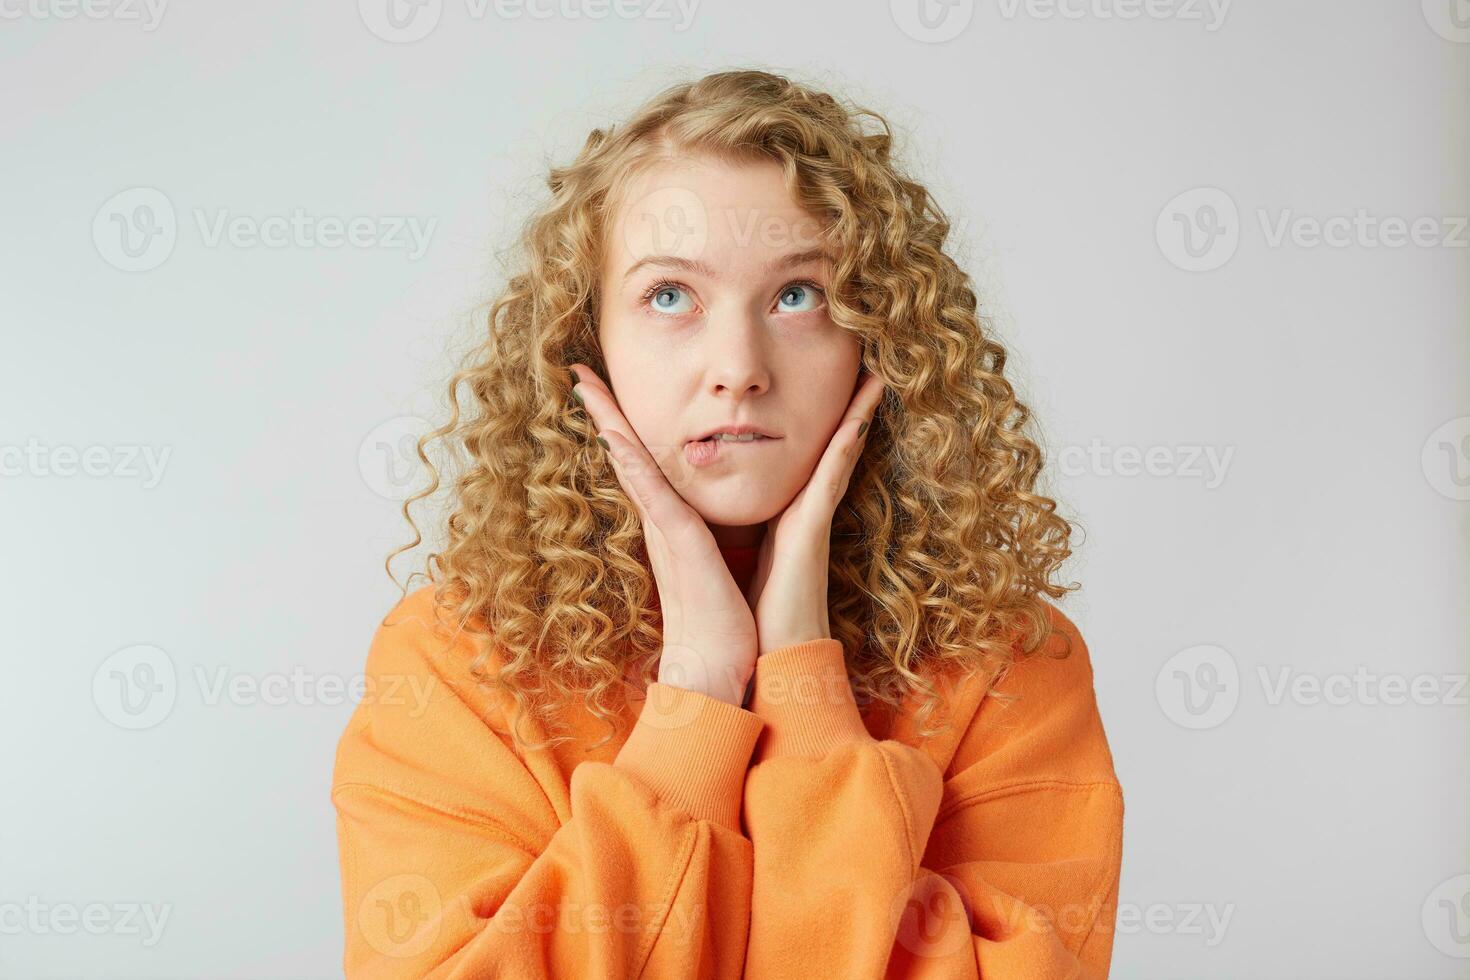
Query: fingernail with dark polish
column 577, row 397
column 604, row 443
column 863, row 428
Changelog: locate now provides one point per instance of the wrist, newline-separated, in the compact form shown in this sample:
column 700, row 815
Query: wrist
column 778, row 639
column 723, row 682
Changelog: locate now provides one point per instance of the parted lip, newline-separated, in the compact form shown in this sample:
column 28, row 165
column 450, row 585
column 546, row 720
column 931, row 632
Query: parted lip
column 737, row 430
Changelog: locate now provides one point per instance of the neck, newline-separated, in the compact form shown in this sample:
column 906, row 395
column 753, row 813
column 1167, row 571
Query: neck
column 738, row 536
column 741, row 559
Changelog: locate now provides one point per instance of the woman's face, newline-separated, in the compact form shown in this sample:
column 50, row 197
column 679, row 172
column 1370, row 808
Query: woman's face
column 713, row 312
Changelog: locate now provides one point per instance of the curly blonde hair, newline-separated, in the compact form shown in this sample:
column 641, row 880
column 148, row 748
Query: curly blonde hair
column 941, row 549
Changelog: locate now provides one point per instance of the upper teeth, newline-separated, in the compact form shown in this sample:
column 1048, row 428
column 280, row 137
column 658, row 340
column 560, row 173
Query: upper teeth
column 727, row 437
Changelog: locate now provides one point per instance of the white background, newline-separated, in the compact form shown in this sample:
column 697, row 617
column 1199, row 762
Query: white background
column 1265, row 836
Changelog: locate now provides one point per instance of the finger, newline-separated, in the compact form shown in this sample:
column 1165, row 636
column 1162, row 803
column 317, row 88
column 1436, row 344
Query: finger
column 865, row 400
column 598, row 402
column 757, row 582
column 835, row 468
column 602, row 409
column 641, row 477
column 637, row 470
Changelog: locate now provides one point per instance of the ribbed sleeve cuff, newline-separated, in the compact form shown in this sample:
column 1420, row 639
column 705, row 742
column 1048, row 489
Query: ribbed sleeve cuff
column 692, row 750
column 805, row 699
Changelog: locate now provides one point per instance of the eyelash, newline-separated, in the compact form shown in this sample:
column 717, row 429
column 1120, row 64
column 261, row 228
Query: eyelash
column 663, row 284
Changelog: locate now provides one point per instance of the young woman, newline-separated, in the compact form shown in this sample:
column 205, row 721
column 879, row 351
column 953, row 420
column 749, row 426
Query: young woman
column 783, row 702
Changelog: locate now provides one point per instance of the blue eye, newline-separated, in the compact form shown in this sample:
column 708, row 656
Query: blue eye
column 671, row 299
column 665, row 297
column 803, row 292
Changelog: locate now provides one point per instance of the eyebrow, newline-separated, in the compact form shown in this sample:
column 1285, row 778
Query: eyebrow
column 695, row 265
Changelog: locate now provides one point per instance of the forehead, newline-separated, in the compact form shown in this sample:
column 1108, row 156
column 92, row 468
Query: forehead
column 728, row 212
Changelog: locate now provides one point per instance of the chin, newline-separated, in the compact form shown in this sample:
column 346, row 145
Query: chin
column 735, row 509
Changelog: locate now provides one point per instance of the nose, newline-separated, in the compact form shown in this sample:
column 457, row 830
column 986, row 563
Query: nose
column 736, row 357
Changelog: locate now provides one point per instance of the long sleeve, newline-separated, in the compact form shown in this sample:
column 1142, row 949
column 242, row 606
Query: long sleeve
column 999, row 859
column 460, row 858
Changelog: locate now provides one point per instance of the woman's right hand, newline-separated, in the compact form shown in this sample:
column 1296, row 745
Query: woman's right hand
column 709, row 636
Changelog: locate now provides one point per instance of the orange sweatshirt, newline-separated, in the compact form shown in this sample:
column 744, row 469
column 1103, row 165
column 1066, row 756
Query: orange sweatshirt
column 792, row 837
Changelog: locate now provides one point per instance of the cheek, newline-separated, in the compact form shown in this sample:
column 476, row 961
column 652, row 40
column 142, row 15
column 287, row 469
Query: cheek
column 830, row 388
column 628, row 371
column 648, row 407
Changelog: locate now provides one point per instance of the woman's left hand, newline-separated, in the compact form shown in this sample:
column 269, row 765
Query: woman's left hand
column 788, row 590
